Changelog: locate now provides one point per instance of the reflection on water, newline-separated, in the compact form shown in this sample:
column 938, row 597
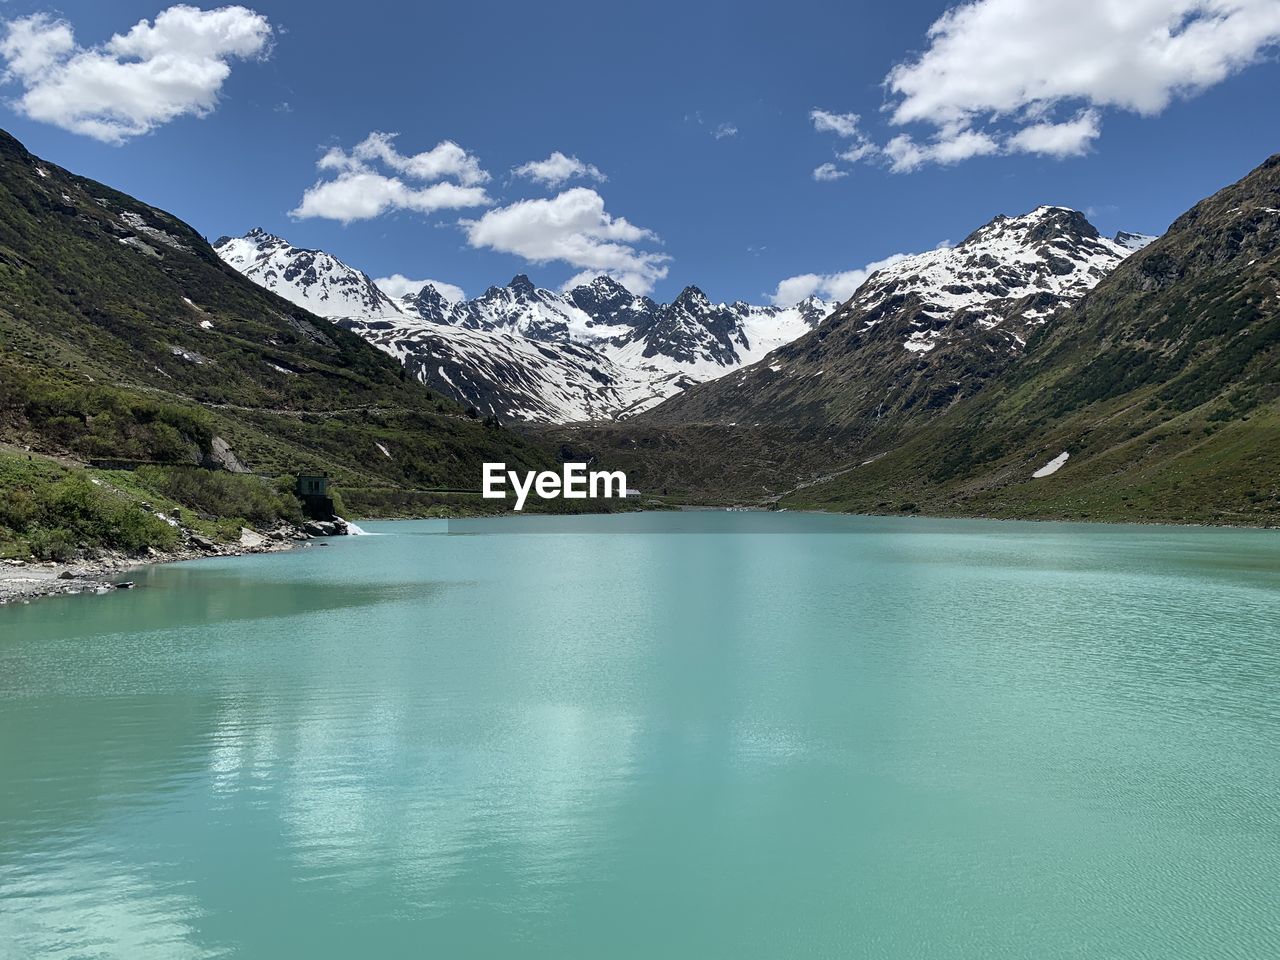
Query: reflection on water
column 911, row 738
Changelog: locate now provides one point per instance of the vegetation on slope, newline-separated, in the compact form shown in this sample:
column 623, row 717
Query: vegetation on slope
column 52, row 510
column 123, row 336
column 1163, row 386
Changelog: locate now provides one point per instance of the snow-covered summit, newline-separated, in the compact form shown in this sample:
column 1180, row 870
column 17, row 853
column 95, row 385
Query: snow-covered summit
column 1134, row 241
column 525, row 351
column 1034, row 263
column 312, row 279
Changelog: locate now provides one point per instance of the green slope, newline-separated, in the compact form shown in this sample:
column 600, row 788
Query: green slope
column 1163, row 385
column 124, row 336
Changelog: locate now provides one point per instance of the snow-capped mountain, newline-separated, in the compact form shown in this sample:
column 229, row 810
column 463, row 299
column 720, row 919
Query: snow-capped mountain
column 312, row 279
column 517, row 377
column 922, row 333
column 1133, row 242
column 1047, row 258
column 524, row 352
column 690, row 336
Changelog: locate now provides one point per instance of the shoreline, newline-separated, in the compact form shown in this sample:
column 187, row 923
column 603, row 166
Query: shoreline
column 22, row 581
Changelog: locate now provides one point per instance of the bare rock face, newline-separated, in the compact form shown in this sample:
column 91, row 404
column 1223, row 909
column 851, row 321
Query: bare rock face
column 222, row 457
column 325, row 528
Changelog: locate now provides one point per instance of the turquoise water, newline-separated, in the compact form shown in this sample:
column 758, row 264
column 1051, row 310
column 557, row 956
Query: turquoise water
column 848, row 738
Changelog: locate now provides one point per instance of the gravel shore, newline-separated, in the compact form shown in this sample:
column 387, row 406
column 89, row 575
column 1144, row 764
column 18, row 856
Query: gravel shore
column 23, row 581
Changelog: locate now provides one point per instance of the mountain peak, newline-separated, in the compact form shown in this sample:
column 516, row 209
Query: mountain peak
column 257, row 237
column 691, row 295
column 606, row 284
column 1134, row 241
column 1044, row 223
column 312, row 279
column 521, row 284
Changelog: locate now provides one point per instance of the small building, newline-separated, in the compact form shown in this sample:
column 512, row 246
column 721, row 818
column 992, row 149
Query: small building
column 313, row 484
column 313, row 491
column 632, row 493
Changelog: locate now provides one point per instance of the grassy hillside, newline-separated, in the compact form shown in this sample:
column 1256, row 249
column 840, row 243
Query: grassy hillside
column 124, row 336
column 1163, row 386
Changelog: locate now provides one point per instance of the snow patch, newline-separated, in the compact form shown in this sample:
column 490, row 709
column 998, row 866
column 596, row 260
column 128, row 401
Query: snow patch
column 1053, row 466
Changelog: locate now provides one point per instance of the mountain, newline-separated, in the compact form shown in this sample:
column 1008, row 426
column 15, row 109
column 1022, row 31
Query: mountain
column 919, row 335
column 312, row 279
column 1134, row 241
column 523, row 352
column 124, row 336
column 1155, row 397
column 515, row 377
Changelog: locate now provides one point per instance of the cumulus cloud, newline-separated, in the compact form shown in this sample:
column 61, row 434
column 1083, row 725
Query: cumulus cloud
column 829, row 286
column 1033, row 76
column 445, row 160
column 558, row 169
column 905, row 154
column 724, row 130
column 574, row 228
column 136, row 81
column 1068, row 139
column 398, row 285
column 365, row 184
column 827, row 172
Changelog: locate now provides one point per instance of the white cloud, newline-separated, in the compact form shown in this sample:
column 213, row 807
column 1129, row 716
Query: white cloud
column 574, row 228
column 829, row 286
column 445, row 160
column 363, row 188
column 362, row 196
column 859, row 151
column 841, row 124
column 135, row 81
column 398, row 285
column 905, row 155
column 559, row 168
column 844, row 125
column 724, row 130
column 996, row 72
column 1069, row 139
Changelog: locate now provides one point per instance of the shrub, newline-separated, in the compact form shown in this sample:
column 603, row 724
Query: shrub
column 56, row 544
column 97, row 516
column 215, row 493
column 17, row 509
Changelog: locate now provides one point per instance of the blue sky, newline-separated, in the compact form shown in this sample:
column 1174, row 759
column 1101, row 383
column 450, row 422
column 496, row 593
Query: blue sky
column 700, row 116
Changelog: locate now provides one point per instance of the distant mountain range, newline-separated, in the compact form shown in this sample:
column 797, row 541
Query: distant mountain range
column 596, row 352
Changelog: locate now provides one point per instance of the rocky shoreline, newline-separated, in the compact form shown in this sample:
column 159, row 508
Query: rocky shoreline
column 22, row 581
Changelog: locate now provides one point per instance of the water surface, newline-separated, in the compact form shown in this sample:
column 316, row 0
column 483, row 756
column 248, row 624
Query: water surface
column 848, row 738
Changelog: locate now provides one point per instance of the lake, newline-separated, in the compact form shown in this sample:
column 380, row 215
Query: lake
column 691, row 736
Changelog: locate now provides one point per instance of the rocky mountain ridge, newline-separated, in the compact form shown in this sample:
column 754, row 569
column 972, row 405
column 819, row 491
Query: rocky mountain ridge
column 524, row 352
column 919, row 334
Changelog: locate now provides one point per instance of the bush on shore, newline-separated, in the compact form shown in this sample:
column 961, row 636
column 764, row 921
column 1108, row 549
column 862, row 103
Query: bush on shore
column 215, row 494
column 57, row 513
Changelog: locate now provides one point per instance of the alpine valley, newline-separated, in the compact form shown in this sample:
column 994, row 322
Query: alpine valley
column 1035, row 369
column 521, row 352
